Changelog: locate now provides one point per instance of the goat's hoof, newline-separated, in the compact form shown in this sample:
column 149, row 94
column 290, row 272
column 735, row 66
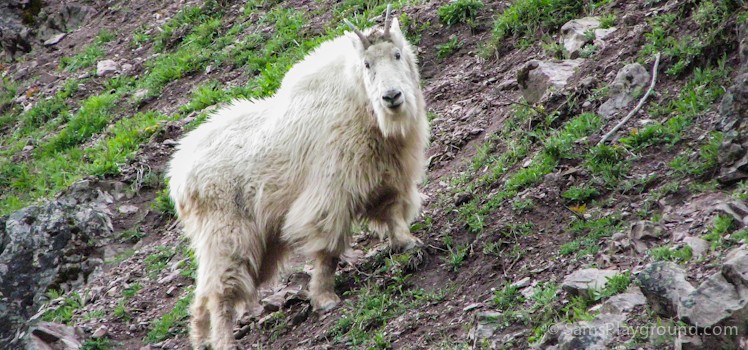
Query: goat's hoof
column 406, row 245
column 325, row 302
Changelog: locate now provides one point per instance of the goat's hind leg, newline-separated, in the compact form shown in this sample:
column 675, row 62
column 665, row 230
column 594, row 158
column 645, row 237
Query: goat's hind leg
column 226, row 280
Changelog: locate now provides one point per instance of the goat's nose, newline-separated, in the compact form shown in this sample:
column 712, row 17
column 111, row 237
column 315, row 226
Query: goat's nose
column 391, row 96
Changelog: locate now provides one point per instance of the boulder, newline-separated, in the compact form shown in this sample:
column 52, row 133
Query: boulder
column 47, row 335
column 624, row 302
column 715, row 302
column 664, row 284
column 630, row 81
column 537, row 78
column 574, row 34
column 735, row 267
column 733, row 152
column 48, row 246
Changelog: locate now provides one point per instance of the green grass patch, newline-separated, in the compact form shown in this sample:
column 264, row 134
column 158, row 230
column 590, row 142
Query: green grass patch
column 172, row 323
column 526, row 19
column 580, row 194
column 666, row 253
column 63, row 312
column 590, row 233
column 460, row 11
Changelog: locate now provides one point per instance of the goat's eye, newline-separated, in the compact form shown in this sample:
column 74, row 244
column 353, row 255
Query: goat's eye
column 366, row 64
column 397, row 55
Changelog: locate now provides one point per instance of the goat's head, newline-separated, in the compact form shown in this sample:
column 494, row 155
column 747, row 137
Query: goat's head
column 389, row 70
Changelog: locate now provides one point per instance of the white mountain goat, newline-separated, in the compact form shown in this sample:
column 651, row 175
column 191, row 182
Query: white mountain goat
column 342, row 140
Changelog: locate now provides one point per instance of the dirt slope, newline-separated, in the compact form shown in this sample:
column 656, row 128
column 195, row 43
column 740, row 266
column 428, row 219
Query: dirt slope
column 518, row 194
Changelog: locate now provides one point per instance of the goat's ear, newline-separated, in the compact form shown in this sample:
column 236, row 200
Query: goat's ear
column 395, row 27
column 356, row 42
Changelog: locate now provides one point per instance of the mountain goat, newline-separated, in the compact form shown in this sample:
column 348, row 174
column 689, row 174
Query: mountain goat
column 342, row 140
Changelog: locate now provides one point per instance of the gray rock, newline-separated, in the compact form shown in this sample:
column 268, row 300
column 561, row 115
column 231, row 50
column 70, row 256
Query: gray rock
column 54, row 39
column 733, row 155
column 643, row 234
column 715, row 302
column 624, row 302
column 699, row 247
column 128, row 209
column 15, row 36
column 585, row 281
column 537, row 78
column 590, row 335
column 65, row 18
column 664, row 284
column 100, row 332
column 573, row 34
column 687, row 342
column 632, row 79
column 735, row 267
column 486, row 324
column 737, row 209
column 47, row 335
column 47, row 246
column 140, row 94
column 106, row 67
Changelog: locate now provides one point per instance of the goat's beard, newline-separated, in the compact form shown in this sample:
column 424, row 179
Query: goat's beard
column 396, row 123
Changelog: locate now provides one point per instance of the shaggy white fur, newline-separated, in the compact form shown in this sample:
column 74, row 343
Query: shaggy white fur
column 295, row 170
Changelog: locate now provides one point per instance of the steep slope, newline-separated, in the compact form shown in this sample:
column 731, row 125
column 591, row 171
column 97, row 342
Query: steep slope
column 522, row 198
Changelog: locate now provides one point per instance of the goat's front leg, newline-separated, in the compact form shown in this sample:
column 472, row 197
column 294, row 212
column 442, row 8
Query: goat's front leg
column 322, row 285
column 400, row 215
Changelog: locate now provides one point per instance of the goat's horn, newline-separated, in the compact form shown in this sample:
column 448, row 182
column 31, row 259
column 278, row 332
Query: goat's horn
column 360, row 35
column 387, row 22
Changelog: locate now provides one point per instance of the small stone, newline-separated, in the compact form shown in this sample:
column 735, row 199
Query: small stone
column 584, row 281
column 522, row 283
column 140, row 94
column 28, row 148
column 462, row 198
column 106, row 67
column 472, row 307
column 171, row 290
column 273, row 303
column 128, row 209
column 169, row 142
column 624, row 302
column 54, row 39
column 100, row 332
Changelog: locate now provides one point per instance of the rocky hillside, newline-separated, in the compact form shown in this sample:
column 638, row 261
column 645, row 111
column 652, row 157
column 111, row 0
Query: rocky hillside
column 586, row 184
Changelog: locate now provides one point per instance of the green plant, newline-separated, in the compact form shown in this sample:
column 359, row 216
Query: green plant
column 158, row 260
column 524, row 18
column 523, row 205
column 507, row 297
column 608, row 21
column 171, row 323
column 456, row 257
column 460, row 11
column 682, row 255
column 580, row 194
column 446, row 49
column 102, row 343
column 63, row 312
